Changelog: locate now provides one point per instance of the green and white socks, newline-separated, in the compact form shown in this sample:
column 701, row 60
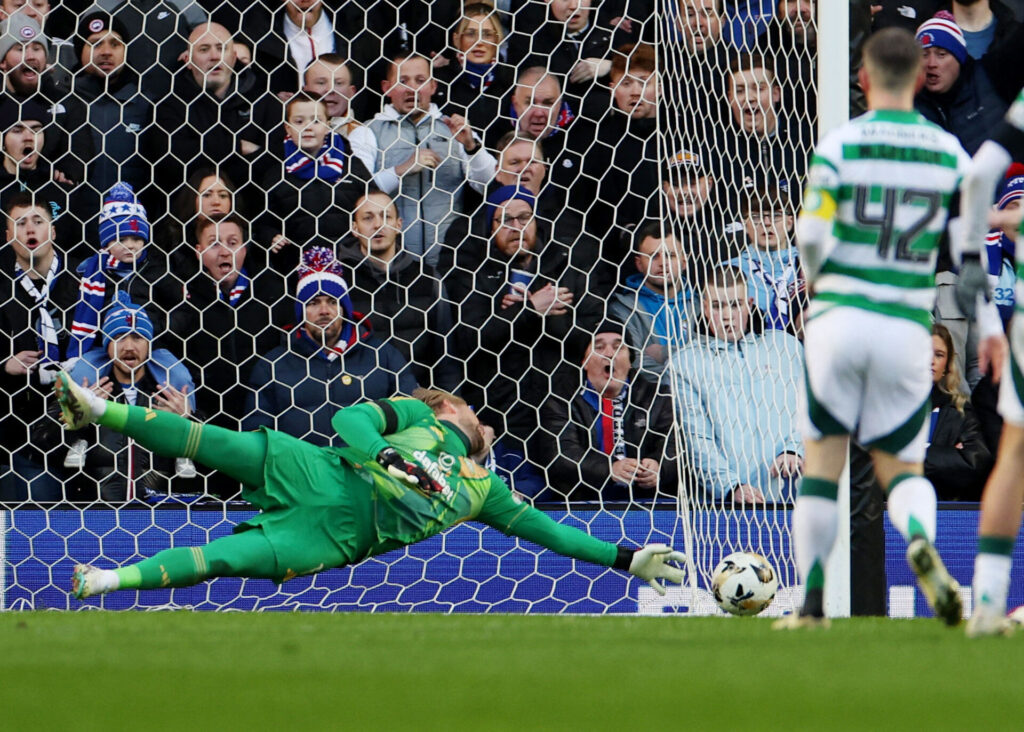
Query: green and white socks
column 814, row 532
column 992, row 574
column 912, row 506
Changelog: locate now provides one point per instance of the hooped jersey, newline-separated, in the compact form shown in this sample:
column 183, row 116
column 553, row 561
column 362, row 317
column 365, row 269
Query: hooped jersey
column 885, row 180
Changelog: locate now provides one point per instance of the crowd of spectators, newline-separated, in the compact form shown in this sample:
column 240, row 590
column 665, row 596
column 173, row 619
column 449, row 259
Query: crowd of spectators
column 255, row 215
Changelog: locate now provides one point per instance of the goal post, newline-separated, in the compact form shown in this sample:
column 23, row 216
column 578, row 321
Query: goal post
column 834, row 110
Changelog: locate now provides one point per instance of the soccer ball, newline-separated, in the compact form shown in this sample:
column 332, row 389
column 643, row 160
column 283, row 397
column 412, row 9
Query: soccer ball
column 744, row 583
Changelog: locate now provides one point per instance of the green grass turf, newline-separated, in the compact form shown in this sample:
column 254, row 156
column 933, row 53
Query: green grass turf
column 291, row 671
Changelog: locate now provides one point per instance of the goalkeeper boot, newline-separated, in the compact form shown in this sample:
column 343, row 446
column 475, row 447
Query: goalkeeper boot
column 87, row 581
column 938, row 586
column 78, row 406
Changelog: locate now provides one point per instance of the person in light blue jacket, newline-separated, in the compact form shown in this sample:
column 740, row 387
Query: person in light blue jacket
column 736, row 396
column 770, row 261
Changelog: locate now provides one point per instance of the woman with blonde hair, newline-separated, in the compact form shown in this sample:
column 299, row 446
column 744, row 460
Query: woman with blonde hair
column 476, row 82
column 957, row 461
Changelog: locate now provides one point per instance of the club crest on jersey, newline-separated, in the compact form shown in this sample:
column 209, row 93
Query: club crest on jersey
column 446, row 461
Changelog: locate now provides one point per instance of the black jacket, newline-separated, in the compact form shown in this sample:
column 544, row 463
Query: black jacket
column 204, row 129
column 222, row 342
column 410, row 310
column 23, row 398
column 958, row 473
column 512, row 353
column 482, row 107
column 119, row 120
column 971, row 109
column 550, row 47
column 308, row 211
column 759, row 161
column 625, row 161
column 578, row 467
column 67, row 145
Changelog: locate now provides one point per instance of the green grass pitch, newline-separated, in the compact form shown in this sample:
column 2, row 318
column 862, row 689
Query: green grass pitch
column 299, row 671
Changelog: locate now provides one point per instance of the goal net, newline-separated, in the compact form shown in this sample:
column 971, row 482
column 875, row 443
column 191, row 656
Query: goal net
column 625, row 173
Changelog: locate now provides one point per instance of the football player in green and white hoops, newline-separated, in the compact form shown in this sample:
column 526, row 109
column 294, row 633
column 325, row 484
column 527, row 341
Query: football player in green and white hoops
column 876, row 205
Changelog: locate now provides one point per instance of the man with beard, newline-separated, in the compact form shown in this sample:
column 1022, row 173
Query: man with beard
column 24, row 63
column 403, row 475
column 519, row 298
column 125, row 369
column 330, row 360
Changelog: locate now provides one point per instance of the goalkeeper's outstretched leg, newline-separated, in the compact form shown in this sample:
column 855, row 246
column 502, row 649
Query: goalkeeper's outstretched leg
column 247, row 554
column 240, row 455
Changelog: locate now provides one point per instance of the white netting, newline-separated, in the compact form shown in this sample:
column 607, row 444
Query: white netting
column 595, row 162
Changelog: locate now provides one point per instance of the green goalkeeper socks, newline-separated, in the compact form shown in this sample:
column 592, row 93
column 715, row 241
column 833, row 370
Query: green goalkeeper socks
column 247, row 554
column 241, row 455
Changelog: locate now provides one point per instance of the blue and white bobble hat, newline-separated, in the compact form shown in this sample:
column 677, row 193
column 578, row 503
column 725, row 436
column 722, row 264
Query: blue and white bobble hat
column 321, row 274
column 122, row 215
column 943, row 32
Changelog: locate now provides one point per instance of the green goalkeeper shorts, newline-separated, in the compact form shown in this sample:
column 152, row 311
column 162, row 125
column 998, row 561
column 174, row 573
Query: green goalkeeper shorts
column 315, row 511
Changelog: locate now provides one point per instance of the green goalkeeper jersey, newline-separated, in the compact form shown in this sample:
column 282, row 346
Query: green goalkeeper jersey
column 404, row 515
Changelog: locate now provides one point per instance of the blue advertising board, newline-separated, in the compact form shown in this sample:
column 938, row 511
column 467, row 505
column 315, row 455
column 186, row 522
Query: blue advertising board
column 467, row 569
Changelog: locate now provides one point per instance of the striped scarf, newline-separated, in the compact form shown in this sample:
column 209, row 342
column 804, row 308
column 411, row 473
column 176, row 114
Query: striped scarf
column 46, row 330
column 93, row 290
column 239, row 288
column 478, row 76
column 329, row 164
column 611, row 434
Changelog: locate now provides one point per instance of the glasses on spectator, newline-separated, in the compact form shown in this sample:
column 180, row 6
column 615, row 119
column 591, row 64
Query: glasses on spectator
column 522, row 220
column 472, row 35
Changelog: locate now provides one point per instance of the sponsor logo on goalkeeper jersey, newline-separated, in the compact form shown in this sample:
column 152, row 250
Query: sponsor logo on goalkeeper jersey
column 435, row 471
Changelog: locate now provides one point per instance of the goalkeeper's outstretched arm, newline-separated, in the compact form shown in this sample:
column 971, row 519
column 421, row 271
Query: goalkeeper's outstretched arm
column 502, row 512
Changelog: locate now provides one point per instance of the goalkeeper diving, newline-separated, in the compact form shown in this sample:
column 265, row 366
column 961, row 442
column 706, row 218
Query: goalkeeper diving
column 402, row 474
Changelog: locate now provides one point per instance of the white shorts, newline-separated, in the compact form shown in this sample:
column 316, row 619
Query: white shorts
column 867, row 375
column 1011, row 386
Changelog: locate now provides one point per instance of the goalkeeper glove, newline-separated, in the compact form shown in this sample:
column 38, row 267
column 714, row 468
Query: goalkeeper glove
column 649, row 563
column 971, row 282
column 391, row 460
